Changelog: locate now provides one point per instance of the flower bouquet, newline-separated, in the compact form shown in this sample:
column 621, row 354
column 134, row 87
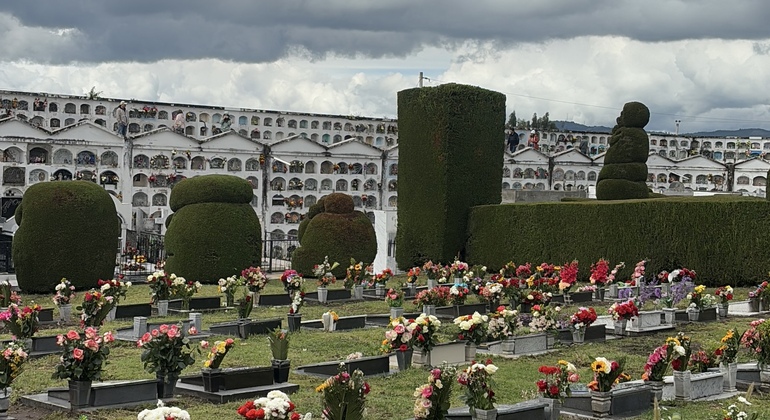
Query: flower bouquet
column 601, row 274
column 323, row 272
column 228, row 287
column 382, row 278
column 437, row 296
column 297, row 300
column 680, row 351
column 555, row 385
column 582, row 319
column 728, row 351
column 115, row 288
column 83, row 355
column 292, row 281
column 399, row 336
column 736, row 412
column 536, row 297
column 254, row 279
column 568, row 276
column 472, row 327
column 657, row 363
column 185, row 290
column 160, row 285
column 161, row 412
column 65, row 292
column 22, row 322
column 354, row 275
column 696, row 296
column 623, row 311
column 276, row 405
column 279, row 344
column 757, row 339
column 394, row 298
column 12, row 359
column 433, row 271
column 509, row 270
column 724, row 294
column 94, row 308
column 458, row 269
column 433, row 398
column 412, row 275
column 166, row 351
column 544, row 318
column 701, row 361
column 458, row 294
column 492, row 293
column 8, row 296
column 477, row 383
column 678, row 292
column 217, row 352
column 344, row 395
column 426, row 332
column 502, row 323
column 244, row 306
column 545, row 278
column 605, row 374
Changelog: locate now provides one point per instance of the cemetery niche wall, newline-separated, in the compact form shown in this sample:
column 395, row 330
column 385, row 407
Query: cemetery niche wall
column 213, row 232
column 66, row 229
column 339, row 232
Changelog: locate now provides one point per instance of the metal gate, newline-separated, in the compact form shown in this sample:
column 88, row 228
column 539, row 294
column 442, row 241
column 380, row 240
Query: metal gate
column 276, row 252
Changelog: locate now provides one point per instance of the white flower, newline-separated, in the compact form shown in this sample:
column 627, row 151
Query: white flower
column 673, row 275
column 743, row 399
column 679, row 350
column 491, row 369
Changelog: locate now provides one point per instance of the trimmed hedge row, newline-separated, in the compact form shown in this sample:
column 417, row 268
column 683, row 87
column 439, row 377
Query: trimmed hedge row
column 724, row 239
column 449, row 160
column 70, row 229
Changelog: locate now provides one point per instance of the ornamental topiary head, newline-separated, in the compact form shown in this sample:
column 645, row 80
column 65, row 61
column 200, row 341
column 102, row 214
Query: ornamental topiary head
column 214, row 232
column 66, row 229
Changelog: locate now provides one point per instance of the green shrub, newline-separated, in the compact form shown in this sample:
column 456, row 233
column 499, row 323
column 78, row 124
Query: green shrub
column 722, row 238
column 206, row 241
column 341, row 236
column 70, row 229
column 448, row 132
column 210, row 189
column 625, row 163
column 635, row 172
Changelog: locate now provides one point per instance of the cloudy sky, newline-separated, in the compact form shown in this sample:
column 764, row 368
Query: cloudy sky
column 704, row 62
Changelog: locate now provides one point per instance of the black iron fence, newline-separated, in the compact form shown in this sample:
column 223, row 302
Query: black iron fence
column 276, row 252
column 142, row 251
column 6, row 262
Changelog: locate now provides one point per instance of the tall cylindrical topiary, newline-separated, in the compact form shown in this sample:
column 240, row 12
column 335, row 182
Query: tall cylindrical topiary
column 624, row 173
column 66, row 229
column 335, row 229
column 450, row 149
column 214, row 232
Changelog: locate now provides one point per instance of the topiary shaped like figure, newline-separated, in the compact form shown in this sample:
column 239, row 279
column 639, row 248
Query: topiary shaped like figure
column 334, row 229
column 214, row 232
column 624, row 173
column 66, row 229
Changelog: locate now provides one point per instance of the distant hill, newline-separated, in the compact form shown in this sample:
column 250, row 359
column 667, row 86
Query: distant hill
column 741, row 133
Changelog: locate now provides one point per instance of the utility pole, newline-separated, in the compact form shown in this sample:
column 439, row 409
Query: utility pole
column 677, row 126
column 420, row 83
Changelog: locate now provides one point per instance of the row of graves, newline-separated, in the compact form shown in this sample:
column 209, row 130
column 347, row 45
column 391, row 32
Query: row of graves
column 521, row 312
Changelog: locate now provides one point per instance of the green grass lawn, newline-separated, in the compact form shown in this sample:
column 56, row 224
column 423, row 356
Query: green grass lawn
column 390, row 397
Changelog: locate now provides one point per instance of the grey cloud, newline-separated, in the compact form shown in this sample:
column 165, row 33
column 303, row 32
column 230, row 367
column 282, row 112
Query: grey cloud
column 263, row 31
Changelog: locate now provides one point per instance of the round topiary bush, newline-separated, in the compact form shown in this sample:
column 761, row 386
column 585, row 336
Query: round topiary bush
column 340, row 236
column 215, row 237
column 66, row 229
column 338, row 203
column 625, row 163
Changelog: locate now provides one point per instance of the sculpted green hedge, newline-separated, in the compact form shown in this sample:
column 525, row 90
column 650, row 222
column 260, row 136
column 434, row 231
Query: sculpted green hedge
column 66, row 229
column 447, row 133
column 725, row 239
column 209, row 240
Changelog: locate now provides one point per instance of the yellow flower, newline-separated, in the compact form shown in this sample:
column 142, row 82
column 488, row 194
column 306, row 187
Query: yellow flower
column 531, row 280
column 673, row 340
column 599, row 366
column 700, row 289
column 727, row 336
column 207, row 363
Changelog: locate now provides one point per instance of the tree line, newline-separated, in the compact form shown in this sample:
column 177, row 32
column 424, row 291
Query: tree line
column 543, row 123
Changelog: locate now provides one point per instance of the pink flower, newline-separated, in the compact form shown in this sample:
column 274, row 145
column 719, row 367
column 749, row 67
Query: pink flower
column 109, row 337
column 146, row 337
column 77, row 354
column 92, row 345
column 204, row 344
column 155, row 333
column 91, row 333
column 427, row 392
column 573, row 378
column 192, row 331
column 399, row 329
column 163, row 329
column 73, row 335
column 59, row 340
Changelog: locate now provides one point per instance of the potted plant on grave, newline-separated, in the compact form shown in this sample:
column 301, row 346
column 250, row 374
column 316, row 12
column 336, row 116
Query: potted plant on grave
column 95, row 308
column 8, row 296
column 380, row 280
column 568, row 277
column 680, row 349
column 211, row 373
column 22, row 322
column 395, row 300
column 329, row 320
column 166, row 351
column 655, row 370
column 276, row 405
column 556, row 384
column 756, row 296
column 229, row 287
column 606, row 372
column 473, row 329
column 621, row 313
column 83, row 358
column 354, row 277
column 502, row 326
column 160, row 290
column 532, row 298
column 432, row 401
column 411, row 280
column 295, row 285
column 399, row 337
column 677, row 293
column 433, row 272
column 458, row 294
column 344, row 395
column 580, row 321
column 757, row 339
column 279, row 348
column 477, row 383
column 727, row 354
column 323, row 273
column 245, row 305
column 492, row 293
column 255, row 282
column 116, row 289
column 457, row 270
column 426, row 336
column 696, row 303
column 724, row 294
column 427, row 300
column 12, row 359
column 163, row 412
column 185, row 290
column 65, row 292
column 601, row 276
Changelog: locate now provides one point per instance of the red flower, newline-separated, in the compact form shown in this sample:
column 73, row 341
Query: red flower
column 553, row 390
column 403, row 347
